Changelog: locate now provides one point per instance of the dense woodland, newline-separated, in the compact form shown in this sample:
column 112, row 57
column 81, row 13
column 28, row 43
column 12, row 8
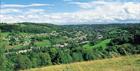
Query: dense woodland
column 29, row 45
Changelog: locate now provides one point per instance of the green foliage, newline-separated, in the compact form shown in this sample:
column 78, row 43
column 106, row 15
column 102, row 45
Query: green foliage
column 23, row 62
column 64, row 57
column 2, row 59
column 44, row 59
column 77, row 56
column 5, row 64
column 88, row 55
column 53, row 54
column 28, row 28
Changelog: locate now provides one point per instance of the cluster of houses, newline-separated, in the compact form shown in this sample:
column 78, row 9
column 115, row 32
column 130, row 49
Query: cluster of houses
column 80, row 37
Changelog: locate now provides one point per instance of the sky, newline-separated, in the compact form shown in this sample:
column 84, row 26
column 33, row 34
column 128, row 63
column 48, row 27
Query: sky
column 70, row 11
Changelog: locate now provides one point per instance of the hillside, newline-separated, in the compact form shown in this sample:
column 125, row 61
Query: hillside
column 124, row 63
column 33, row 45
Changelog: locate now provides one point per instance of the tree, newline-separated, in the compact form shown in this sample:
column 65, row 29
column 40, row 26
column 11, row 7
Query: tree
column 64, row 57
column 44, row 59
column 13, row 38
column 88, row 56
column 2, row 59
column 23, row 62
column 77, row 56
column 53, row 54
column 34, row 59
column 5, row 64
column 33, row 40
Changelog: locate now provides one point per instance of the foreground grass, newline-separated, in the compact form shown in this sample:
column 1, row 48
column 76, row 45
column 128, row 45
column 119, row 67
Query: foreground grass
column 126, row 63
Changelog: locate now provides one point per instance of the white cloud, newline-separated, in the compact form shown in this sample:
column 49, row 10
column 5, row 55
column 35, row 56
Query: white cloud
column 94, row 4
column 5, row 11
column 37, row 4
column 93, row 12
column 90, row 4
column 67, row 0
column 23, row 6
column 22, row 11
column 35, row 11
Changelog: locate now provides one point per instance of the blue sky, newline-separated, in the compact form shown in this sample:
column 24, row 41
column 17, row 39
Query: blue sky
column 70, row 11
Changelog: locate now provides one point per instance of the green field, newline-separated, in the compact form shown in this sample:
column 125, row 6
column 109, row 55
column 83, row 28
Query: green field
column 123, row 63
column 102, row 44
column 43, row 43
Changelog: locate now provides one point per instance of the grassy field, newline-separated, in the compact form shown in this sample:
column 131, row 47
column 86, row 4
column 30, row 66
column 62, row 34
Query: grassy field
column 102, row 44
column 125, row 63
column 43, row 43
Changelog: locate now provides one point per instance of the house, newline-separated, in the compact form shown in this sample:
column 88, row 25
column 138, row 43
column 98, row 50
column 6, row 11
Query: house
column 99, row 36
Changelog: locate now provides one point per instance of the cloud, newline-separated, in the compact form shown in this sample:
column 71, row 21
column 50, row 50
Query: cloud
column 93, row 4
column 11, row 10
column 35, row 11
column 22, row 11
column 23, row 6
column 67, row 0
column 90, row 4
column 89, row 13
